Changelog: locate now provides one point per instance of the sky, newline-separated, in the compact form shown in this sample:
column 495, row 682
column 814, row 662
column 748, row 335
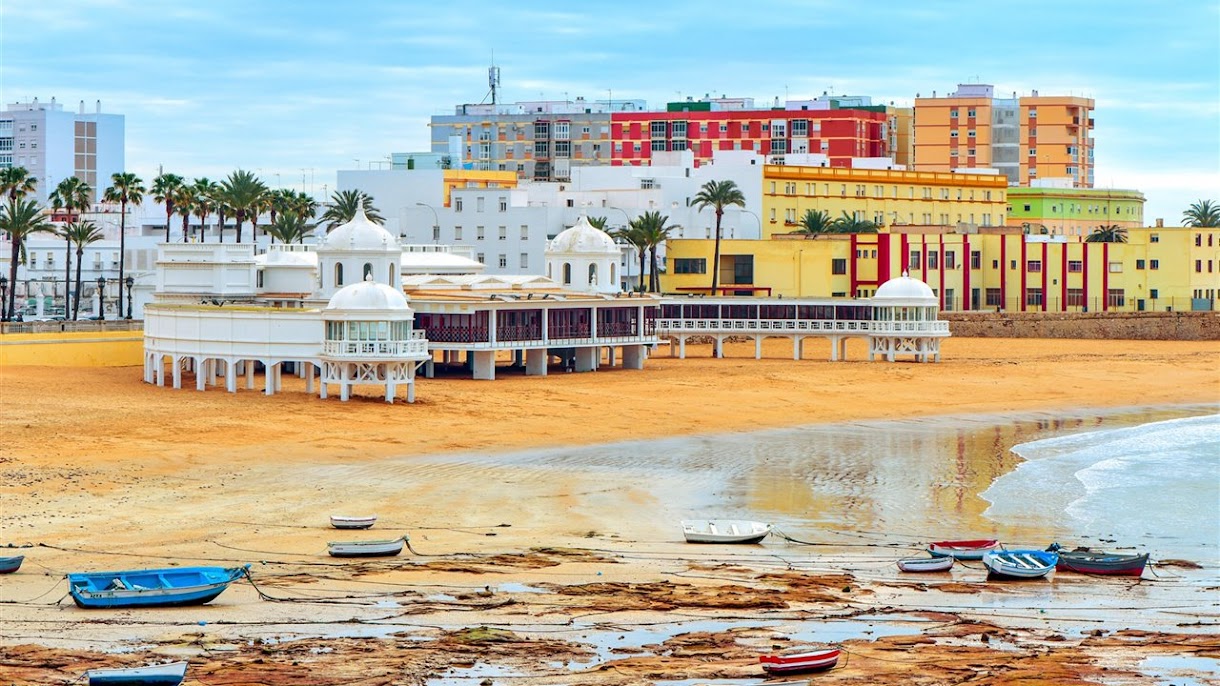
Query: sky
column 296, row 91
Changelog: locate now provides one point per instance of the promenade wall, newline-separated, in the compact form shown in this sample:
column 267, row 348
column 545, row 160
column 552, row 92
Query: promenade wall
column 1145, row 326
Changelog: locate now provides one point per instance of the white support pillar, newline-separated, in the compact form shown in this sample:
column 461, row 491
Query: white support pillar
column 269, row 378
column 249, row 365
column 307, row 369
column 633, row 356
column 798, row 347
column 177, row 372
column 535, row 362
column 485, row 365
column 610, row 351
column 201, row 381
column 430, row 368
column 390, row 390
column 834, row 348
column 718, row 347
column 231, row 375
column 843, row 348
column 161, row 370
column 147, row 368
column 411, row 391
column 758, row 339
column 681, row 347
column 586, row 359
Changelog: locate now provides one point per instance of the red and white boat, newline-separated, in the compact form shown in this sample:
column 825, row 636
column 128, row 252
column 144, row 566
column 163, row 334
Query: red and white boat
column 963, row 550
column 799, row 660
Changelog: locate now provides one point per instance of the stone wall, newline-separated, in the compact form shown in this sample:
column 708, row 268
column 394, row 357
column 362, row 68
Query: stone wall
column 1163, row 326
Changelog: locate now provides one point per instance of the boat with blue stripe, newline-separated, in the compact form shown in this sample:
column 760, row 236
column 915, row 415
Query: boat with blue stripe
column 170, row 587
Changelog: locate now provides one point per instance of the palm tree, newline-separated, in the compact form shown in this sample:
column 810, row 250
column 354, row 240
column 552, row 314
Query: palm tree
column 1107, row 233
column 815, row 222
column 16, row 183
column 242, row 192
column 718, row 195
column 19, row 218
column 126, row 188
column 633, row 235
column 288, row 227
column 1202, row 214
column 597, row 222
column 80, row 234
column 184, row 200
column 206, row 191
column 163, row 189
column 343, row 206
column 260, row 205
column 72, row 194
column 848, row 223
column 653, row 231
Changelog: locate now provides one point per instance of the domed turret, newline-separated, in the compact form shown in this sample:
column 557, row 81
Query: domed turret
column 368, row 295
column 355, row 251
column 584, row 258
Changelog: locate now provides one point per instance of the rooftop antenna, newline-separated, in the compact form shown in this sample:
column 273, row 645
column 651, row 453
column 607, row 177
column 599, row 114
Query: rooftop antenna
column 493, row 81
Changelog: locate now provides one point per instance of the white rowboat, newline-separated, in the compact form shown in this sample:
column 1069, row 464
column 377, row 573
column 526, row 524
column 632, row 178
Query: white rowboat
column 169, row 674
column 384, row 548
column 344, row 522
column 925, row 564
column 1020, row 564
column 724, row 531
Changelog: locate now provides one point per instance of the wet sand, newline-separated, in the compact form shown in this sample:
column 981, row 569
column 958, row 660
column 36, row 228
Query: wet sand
column 109, row 473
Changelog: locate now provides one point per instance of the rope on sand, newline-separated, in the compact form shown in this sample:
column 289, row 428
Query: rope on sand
column 30, row 601
column 899, row 546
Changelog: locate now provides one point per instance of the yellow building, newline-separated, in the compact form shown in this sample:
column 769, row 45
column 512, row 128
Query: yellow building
column 997, row 267
column 477, row 178
column 1031, row 137
column 902, row 135
column 882, row 196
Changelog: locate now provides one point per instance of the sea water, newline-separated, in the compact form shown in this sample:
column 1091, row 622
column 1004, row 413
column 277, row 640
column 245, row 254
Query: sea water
column 1153, row 486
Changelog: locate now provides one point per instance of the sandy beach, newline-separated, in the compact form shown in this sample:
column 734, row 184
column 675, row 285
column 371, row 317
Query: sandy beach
column 522, row 572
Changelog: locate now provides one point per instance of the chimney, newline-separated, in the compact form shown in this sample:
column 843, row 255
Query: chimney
column 52, row 102
column 1160, row 223
column 99, row 106
column 82, row 106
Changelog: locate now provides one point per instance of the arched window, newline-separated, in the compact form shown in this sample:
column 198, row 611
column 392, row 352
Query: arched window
column 550, row 270
column 260, row 280
column 390, row 280
column 592, row 274
column 368, row 272
column 338, row 274
column 567, row 273
column 613, row 275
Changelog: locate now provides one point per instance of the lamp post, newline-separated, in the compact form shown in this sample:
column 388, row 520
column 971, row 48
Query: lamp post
column 436, row 222
column 756, row 218
column 4, row 298
column 101, row 298
column 129, row 282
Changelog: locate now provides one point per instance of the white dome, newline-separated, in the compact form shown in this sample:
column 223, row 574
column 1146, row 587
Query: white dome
column 583, row 238
column 361, row 234
column 287, row 258
column 904, row 288
column 368, row 295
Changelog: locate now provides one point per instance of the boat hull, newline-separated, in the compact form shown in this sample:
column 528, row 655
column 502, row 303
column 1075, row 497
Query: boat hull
column 963, row 550
column 352, row 522
column 8, row 565
column 926, row 564
column 724, row 531
column 155, row 675
column 1102, row 563
column 151, row 588
column 799, row 662
column 1019, row 564
column 366, row 548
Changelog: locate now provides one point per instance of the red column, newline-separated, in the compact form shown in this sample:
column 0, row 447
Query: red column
column 940, row 242
column 1046, row 268
column 1084, row 273
column 966, row 271
column 1063, row 280
column 905, row 258
column 851, row 269
column 1003, row 271
column 883, row 257
column 1105, row 277
column 1021, row 271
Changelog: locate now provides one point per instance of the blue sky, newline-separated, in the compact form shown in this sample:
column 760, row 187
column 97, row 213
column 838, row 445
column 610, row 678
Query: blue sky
column 277, row 87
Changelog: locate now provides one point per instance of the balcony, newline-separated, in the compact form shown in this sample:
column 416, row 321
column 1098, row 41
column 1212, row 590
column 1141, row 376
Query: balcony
column 416, row 348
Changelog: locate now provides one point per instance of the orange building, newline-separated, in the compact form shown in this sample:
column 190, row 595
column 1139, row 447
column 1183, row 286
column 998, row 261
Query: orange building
column 1056, row 140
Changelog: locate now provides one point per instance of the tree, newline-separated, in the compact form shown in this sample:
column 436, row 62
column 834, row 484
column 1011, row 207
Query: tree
column 19, row 218
column 75, row 196
column 718, row 195
column 816, row 222
column 242, row 192
column 653, row 231
column 1202, row 214
column 1109, row 233
column 288, row 227
column 80, row 234
column 126, row 188
column 206, row 192
column 633, row 235
column 848, row 223
column 164, row 188
column 343, row 206
column 597, row 222
column 184, row 199
column 16, row 183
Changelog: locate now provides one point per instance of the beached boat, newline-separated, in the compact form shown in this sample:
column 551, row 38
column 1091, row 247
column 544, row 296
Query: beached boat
column 169, row 674
column 925, row 564
column 1019, row 564
column 384, row 548
column 8, row 565
column 963, row 550
column 724, row 531
column 1086, row 561
column 345, row 522
column 799, row 660
column 152, row 587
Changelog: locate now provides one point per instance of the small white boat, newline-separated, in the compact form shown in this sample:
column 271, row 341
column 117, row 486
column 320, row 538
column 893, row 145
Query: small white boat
column 963, row 550
column 383, row 548
column 925, row 564
column 170, row 674
column 1020, row 564
column 345, row 522
column 724, row 531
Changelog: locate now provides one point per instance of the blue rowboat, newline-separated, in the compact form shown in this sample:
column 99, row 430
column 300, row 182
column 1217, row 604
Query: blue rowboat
column 152, row 587
column 8, row 565
column 153, row 675
column 1019, row 564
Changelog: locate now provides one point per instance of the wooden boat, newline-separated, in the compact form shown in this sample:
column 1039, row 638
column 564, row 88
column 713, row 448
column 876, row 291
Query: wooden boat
column 1020, row 564
column 801, row 660
column 925, row 564
column 724, row 531
column 963, row 550
column 384, row 548
column 8, row 565
column 152, row 587
column 344, row 522
column 170, row 674
column 1086, row 561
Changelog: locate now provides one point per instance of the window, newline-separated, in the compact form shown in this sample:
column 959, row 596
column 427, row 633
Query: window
column 563, row 149
column 1116, row 297
column 914, row 261
column 1139, row 264
column 1198, row 240
column 1154, row 264
column 478, row 204
column 658, row 145
column 1116, row 267
column 1075, row 297
column 800, row 127
column 503, row 233
column 1075, row 266
column 525, row 232
column 338, row 274
column 976, row 259
column 1198, row 265
column 688, row 265
column 953, row 114
column 503, row 260
column 1033, row 296
column 457, row 204
column 479, row 233
column 933, row 260
column 525, row 260
column 994, row 298
column 950, row 260
column 970, row 113
column 503, row 204
column 1034, row 266
column 457, row 233
column 838, row 266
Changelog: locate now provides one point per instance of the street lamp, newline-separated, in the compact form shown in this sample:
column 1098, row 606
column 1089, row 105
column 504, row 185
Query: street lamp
column 756, row 218
column 4, row 298
column 130, row 282
column 436, row 222
column 101, row 298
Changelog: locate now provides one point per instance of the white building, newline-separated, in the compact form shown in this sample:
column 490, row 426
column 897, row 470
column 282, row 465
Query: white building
column 53, row 144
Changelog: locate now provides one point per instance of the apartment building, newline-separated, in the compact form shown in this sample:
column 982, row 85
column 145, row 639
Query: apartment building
column 53, row 144
column 1074, row 212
